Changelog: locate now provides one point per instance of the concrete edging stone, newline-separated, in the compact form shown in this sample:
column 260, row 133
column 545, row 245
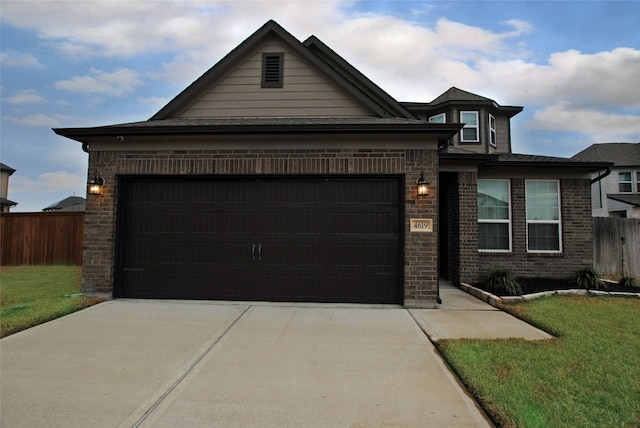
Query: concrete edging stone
column 498, row 301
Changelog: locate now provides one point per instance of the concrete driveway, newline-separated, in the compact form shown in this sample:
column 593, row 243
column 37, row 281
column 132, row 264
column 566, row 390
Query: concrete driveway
column 167, row 363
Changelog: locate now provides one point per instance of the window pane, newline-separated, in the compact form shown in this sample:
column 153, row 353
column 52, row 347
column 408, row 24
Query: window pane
column 624, row 182
column 493, row 236
column 493, row 199
column 544, row 237
column 469, row 118
column 542, row 200
column 469, row 134
column 440, row 118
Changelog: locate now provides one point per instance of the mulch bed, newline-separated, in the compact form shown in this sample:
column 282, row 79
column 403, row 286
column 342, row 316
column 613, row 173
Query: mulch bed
column 537, row 285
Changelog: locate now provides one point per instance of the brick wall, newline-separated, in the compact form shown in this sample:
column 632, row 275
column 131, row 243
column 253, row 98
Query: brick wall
column 420, row 251
column 577, row 236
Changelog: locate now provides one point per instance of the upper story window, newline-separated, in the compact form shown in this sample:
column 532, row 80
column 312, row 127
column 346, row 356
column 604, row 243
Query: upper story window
column 438, row 118
column 638, row 181
column 272, row 66
column 492, row 130
column 543, row 216
column 625, row 185
column 470, row 131
column 494, row 215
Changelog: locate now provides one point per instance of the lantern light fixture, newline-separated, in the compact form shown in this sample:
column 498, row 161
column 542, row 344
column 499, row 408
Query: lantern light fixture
column 423, row 185
column 96, row 185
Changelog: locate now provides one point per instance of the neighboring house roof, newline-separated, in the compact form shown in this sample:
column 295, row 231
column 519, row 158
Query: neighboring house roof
column 627, row 199
column 72, row 203
column 6, row 168
column 457, row 96
column 4, row 202
column 621, row 154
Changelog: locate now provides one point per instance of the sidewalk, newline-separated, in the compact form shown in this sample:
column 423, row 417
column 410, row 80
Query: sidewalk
column 463, row 316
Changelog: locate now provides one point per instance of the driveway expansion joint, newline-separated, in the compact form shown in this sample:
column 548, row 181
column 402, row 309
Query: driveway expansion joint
column 190, row 368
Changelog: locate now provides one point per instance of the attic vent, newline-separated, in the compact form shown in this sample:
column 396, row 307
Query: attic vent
column 272, row 65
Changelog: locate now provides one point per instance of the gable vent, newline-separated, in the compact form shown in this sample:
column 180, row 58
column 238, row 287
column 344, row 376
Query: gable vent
column 272, row 65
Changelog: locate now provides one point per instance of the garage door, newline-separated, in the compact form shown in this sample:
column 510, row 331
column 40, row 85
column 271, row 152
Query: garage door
column 277, row 239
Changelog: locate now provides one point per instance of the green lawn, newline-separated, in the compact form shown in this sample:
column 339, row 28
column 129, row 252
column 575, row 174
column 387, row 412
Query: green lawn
column 31, row 295
column 588, row 377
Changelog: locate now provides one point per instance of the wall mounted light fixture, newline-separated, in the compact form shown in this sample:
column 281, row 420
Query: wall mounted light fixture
column 96, row 185
column 423, row 188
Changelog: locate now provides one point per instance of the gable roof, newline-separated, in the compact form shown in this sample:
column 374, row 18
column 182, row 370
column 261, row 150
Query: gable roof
column 72, row 203
column 621, row 154
column 354, row 84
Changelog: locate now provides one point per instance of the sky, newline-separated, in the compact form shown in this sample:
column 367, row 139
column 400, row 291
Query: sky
column 573, row 65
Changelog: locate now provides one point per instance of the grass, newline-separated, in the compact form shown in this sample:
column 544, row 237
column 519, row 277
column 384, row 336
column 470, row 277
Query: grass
column 31, row 295
column 588, row 377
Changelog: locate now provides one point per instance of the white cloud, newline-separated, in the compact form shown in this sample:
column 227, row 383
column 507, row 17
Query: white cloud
column 39, row 119
column 598, row 125
column 118, row 83
column 29, row 96
column 19, row 59
column 47, row 182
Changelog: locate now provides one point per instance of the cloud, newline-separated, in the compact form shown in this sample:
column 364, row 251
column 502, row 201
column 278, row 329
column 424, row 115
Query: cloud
column 599, row 125
column 49, row 181
column 39, row 119
column 19, row 59
column 118, row 83
column 28, row 96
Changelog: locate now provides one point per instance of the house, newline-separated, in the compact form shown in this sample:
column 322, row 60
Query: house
column 616, row 194
column 72, row 203
column 285, row 174
column 5, row 173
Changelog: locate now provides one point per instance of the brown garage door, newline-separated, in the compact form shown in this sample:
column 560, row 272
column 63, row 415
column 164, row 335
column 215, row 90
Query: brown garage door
column 275, row 239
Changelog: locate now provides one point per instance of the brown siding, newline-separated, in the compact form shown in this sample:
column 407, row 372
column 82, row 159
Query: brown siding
column 41, row 238
column 304, row 93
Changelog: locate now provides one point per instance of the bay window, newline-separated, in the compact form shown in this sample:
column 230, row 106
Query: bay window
column 470, row 131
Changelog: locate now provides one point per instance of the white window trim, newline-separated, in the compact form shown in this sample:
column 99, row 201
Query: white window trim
column 558, row 222
column 482, row 250
column 493, row 142
column 466, row 126
column 443, row 115
column 625, row 182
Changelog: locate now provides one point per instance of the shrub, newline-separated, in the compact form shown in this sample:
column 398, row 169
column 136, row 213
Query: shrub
column 588, row 278
column 628, row 282
column 501, row 281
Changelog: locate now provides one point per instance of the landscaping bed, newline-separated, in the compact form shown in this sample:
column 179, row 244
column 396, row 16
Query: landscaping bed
column 539, row 285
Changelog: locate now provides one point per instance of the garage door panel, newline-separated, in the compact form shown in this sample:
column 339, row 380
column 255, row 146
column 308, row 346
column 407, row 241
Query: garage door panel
column 328, row 240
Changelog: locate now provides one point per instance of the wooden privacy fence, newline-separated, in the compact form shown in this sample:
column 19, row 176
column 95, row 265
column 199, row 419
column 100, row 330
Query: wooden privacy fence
column 616, row 245
column 41, row 238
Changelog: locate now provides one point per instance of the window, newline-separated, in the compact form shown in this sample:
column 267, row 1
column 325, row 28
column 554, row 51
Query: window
column 492, row 130
column 272, row 65
column 439, row 118
column 470, row 130
column 638, row 182
column 494, row 215
column 543, row 216
column 624, row 182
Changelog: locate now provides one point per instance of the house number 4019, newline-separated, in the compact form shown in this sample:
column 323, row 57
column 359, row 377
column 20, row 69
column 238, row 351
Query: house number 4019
column 421, row 225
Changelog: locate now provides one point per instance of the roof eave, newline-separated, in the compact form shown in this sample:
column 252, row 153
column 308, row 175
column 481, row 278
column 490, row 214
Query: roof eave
column 443, row 131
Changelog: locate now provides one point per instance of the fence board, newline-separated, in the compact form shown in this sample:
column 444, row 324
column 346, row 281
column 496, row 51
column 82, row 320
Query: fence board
column 614, row 255
column 41, row 238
